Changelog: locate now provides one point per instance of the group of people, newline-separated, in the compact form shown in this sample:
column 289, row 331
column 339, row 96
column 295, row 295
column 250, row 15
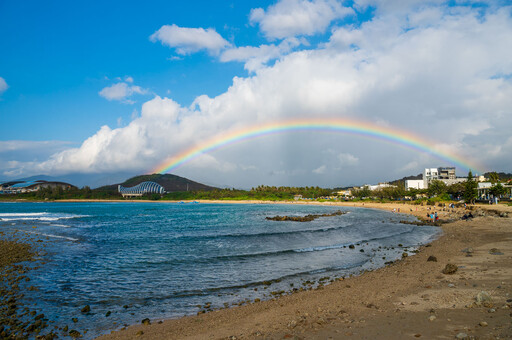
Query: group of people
column 433, row 216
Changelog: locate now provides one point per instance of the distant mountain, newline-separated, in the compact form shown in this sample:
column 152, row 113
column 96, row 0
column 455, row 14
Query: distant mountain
column 168, row 181
column 79, row 179
column 501, row 175
column 402, row 180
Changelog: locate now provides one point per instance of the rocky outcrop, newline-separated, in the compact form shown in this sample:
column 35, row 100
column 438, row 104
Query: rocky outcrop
column 306, row 218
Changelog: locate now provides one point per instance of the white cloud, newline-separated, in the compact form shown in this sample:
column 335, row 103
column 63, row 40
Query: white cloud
column 289, row 18
column 3, row 85
column 121, row 91
column 320, row 170
column 189, row 40
column 348, row 159
column 256, row 57
column 443, row 80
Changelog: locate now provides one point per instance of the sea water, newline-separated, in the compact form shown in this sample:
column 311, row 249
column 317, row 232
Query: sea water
column 166, row 260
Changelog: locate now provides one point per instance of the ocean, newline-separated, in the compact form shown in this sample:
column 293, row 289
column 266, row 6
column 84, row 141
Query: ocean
column 166, row 260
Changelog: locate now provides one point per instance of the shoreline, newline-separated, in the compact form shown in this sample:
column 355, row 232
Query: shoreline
column 412, row 290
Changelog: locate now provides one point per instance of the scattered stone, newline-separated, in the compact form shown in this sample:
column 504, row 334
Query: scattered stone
column 75, row 320
column 467, row 250
column 483, row 299
column 492, row 310
column 461, row 336
column 74, row 334
column 432, row 258
column 351, row 246
column 495, row 251
column 146, row 322
column 450, row 269
column 361, row 250
column 86, row 309
column 108, row 313
column 451, row 285
column 483, row 324
column 432, row 318
column 404, row 255
column 139, row 333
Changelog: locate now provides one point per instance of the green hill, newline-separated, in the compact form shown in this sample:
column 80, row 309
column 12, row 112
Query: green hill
column 170, row 182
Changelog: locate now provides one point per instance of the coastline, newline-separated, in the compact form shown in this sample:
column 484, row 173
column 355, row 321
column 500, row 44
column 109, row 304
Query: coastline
column 414, row 299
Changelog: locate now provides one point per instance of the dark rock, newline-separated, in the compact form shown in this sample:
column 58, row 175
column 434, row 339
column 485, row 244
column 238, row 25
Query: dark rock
column 432, row 258
column 75, row 320
column 74, row 334
column 495, row 251
column 450, row 269
column 306, row 218
column 351, row 246
column 86, row 309
column 108, row 313
column 146, row 322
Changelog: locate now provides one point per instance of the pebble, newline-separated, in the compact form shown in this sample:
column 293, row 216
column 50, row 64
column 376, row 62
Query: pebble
column 483, row 324
column 432, row 318
column 139, row 333
column 450, row 269
column 492, row 310
column 461, row 335
column 451, row 285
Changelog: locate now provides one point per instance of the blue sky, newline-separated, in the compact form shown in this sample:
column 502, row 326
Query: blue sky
column 69, row 68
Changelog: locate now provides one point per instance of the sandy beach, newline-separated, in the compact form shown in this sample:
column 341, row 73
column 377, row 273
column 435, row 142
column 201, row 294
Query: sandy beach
column 411, row 298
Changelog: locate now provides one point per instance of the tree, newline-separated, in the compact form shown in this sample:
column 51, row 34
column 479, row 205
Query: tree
column 497, row 190
column 470, row 189
column 437, row 188
column 456, row 189
column 362, row 192
column 494, row 177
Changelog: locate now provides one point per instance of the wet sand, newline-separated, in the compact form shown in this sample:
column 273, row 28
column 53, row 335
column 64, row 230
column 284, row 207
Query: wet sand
column 411, row 298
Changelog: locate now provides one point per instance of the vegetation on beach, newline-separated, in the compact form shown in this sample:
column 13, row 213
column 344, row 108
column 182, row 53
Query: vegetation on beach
column 183, row 189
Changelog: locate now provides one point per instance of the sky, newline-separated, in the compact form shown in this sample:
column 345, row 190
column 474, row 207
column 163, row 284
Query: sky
column 119, row 87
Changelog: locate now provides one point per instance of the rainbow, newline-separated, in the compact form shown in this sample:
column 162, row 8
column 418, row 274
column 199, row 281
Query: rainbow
column 352, row 127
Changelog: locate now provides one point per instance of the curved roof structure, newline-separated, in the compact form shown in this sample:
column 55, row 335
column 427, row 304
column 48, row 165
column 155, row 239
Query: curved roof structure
column 141, row 189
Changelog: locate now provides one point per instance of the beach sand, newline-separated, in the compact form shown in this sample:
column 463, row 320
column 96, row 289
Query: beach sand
column 411, row 298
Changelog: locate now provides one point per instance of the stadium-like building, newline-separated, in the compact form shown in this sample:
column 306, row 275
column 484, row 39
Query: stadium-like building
column 141, row 189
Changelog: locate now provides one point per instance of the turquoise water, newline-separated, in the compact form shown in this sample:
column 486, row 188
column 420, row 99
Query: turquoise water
column 162, row 260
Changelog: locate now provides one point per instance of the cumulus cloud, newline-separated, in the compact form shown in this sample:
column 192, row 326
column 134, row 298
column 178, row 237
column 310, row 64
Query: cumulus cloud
column 320, row 170
column 443, row 79
column 256, row 57
column 348, row 159
column 289, row 18
column 3, row 85
column 121, row 91
column 189, row 40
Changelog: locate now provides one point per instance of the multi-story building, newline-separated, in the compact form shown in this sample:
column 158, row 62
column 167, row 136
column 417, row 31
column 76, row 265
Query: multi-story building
column 444, row 174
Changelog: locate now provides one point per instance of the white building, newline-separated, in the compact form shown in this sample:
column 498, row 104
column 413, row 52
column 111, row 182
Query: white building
column 414, row 184
column 444, row 174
